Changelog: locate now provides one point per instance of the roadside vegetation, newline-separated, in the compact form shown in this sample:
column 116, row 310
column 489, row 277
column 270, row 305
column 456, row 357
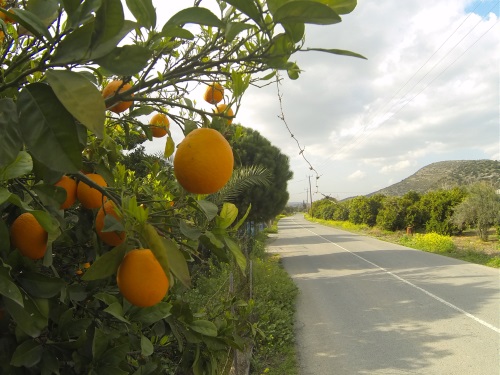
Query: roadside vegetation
column 264, row 304
column 104, row 250
column 467, row 246
column 462, row 222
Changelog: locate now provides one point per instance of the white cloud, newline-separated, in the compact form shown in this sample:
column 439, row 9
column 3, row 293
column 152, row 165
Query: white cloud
column 357, row 175
column 428, row 92
column 403, row 164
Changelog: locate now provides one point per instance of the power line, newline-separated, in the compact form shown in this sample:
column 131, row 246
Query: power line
column 363, row 133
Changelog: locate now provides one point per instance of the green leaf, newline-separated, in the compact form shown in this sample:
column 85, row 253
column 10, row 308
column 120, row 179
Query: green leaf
column 247, row 7
column 240, row 83
column 8, row 288
column 204, row 327
column 31, row 22
column 80, row 12
column 106, row 265
column 116, row 310
column 78, row 95
column 147, row 347
column 50, row 195
column 176, row 32
column 242, row 220
column 111, row 370
column 197, row 15
column 177, row 262
column 110, row 28
column 293, row 71
column 191, row 232
column 337, row 52
column 43, row 117
column 115, row 355
column 227, row 215
column 41, row 286
column 142, row 111
column 4, row 234
column 213, row 239
column 280, row 50
column 23, row 164
column 100, row 343
column 10, row 141
column 238, row 255
column 77, row 292
column 126, row 60
column 306, row 12
column 47, row 221
column 157, row 246
column 234, row 28
column 50, row 364
column 295, row 31
column 152, row 314
column 340, row 6
column 45, row 10
column 111, row 224
column 107, row 298
column 143, row 11
column 169, row 147
column 28, row 354
column 209, row 209
column 28, row 318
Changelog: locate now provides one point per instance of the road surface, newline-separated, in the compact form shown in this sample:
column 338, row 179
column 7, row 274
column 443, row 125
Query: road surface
column 371, row 307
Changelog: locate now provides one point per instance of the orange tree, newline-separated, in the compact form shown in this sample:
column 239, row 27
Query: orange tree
column 78, row 83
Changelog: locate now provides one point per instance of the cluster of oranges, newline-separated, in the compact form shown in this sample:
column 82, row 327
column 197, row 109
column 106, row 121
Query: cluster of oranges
column 140, row 277
column 203, row 163
column 159, row 123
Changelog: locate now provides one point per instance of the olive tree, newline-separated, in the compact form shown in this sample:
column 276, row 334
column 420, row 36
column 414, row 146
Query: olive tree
column 479, row 209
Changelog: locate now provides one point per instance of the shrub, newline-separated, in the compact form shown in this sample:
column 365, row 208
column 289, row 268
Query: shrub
column 432, row 242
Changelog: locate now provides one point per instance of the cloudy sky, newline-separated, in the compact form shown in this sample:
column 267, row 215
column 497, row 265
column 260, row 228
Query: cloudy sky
column 428, row 92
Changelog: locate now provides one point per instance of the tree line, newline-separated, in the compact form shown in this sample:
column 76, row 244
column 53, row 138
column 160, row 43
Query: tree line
column 444, row 211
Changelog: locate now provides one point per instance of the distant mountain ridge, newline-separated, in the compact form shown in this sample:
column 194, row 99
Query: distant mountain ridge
column 446, row 175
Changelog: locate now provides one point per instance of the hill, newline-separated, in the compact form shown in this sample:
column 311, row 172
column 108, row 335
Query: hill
column 446, row 175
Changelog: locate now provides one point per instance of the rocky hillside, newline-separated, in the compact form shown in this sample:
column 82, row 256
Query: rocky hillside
column 445, row 175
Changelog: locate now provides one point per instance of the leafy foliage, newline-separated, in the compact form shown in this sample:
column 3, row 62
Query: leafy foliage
column 267, row 201
column 480, row 209
column 64, row 313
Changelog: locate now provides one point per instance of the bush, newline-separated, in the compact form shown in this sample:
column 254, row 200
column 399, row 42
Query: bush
column 432, row 242
column 274, row 305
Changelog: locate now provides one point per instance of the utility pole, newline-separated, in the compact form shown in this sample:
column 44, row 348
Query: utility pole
column 311, row 196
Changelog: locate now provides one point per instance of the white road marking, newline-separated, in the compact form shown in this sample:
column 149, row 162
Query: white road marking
column 469, row 315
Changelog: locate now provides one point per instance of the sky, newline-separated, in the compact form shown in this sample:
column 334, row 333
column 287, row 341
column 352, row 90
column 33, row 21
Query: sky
column 428, row 92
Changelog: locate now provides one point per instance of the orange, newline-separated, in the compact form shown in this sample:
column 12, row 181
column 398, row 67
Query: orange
column 6, row 18
column 28, row 236
column 111, row 89
column 141, row 278
column 203, row 162
column 110, row 238
column 225, row 110
column 88, row 196
column 69, row 185
column 214, row 93
column 159, row 125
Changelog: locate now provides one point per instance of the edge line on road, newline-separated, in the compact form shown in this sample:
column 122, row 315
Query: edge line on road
column 449, row 304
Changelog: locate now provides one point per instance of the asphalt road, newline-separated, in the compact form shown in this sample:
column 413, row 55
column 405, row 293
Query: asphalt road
column 371, row 307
